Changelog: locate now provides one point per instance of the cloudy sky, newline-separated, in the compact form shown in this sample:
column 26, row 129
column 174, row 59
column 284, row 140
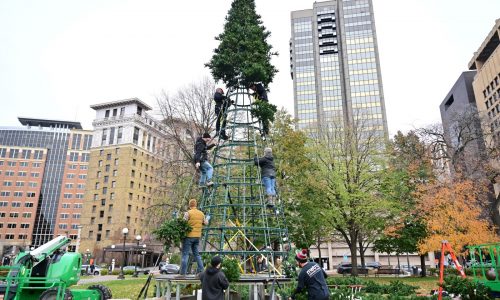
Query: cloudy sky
column 57, row 57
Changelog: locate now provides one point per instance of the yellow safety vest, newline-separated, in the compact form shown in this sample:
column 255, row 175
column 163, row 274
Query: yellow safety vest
column 195, row 220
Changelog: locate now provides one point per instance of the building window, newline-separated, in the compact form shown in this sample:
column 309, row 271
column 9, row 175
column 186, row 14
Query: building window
column 36, row 165
column 115, row 173
column 91, row 234
column 38, row 154
column 28, row 204
column 7, row 183
column 131, row 184
column 107, row 168
column 101, row 214
column 119, row 135
column 104, row 136
column 64, row 216
column 107, row 234
column 30, row 194
column 85, row 158
column 106, row 179
column 111, row 135
column 116, row 161
column 73, row 156
column 104, row 190
column 112, row 196
column 14, row 153
column 109, row 220
column 18, row 194
column 25, row 225
column 135, row 138
column 122, row 111
column 103, row 202
column 106, row 114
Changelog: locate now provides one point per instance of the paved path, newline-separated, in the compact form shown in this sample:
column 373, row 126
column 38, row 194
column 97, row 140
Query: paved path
column 98, row 279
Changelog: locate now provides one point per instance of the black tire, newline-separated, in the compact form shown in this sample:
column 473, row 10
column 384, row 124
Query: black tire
column 51, row 294
column 96, row 273
column 104, row 290
column 163, row 272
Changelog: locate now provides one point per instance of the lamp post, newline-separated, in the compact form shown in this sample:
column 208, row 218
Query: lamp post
column 143, row 252
column 87, row 256
column 125, row 232
column 138, row 238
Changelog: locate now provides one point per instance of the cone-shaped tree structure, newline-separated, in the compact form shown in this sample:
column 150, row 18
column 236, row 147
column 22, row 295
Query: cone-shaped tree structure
column 242, row 224
column 243, row 55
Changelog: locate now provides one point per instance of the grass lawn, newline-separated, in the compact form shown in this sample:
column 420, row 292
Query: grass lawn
column 127, row 288
column 425, row 284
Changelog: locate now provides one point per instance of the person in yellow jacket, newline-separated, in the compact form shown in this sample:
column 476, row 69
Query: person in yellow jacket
column 196, row 220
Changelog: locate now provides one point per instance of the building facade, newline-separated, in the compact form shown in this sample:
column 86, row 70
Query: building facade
column 335, row 66
column 486, row 84
column 462, row 127
column 127, row 153
column 35, row 166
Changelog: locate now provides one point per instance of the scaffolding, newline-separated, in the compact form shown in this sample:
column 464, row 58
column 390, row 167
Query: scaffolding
column 242, row 225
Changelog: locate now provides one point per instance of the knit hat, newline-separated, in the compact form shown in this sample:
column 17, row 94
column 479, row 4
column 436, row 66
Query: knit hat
column 216, row 260
column 301, row 255
column 206, row 135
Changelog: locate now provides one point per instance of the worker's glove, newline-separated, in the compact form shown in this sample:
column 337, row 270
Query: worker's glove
column 197, row 165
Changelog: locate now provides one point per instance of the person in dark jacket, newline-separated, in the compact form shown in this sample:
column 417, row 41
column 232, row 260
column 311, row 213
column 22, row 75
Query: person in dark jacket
column 261, row 94
column 201, row 159
column 312, row 277
column 268, row 174
column 260, row 90
column 213, row 281
column 221, row 105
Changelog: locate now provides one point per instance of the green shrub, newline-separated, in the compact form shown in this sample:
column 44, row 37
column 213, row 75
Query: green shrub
column 104, row 272
column 115, row 272
column 175, row 259
column 172, row 231
column 466, row 288
column 399, row 288
column 433, row 271
column 352, row 280
column 231, row 267
column 128, row 272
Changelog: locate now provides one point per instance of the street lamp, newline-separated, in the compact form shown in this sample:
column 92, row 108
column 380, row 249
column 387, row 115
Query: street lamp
column 125, row 232
column 138, row 238
column 143, row 252
column 87, row 256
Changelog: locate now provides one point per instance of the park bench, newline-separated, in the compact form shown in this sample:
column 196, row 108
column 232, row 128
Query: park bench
column 387, row 270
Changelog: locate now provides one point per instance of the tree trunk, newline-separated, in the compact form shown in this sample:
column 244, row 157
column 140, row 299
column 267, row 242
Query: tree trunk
column 408, row 260
column 389, row 258
column 361, row 250
column 422, row 265
column 354, row 253
column 399, row 264
column 319, row 252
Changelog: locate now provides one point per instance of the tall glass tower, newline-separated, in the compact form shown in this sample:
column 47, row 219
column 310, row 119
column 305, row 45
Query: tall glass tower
column 335, row 66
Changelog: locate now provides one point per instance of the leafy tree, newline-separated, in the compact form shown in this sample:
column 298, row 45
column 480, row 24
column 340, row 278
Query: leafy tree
column 452, row 212
column 172, row 231
column 349, row 159
column 408, row 168
column 298, row 190
column 243, row 55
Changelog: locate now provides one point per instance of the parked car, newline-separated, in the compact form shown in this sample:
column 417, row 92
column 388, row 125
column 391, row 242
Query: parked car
column 85, row 270
column 170, row 269
column 374, row 265
column 346, row 268
column 409, row 269
column 139, row 269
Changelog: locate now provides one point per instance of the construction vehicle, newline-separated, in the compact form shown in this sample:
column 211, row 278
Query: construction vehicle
column 46, row 273
column 485, row 271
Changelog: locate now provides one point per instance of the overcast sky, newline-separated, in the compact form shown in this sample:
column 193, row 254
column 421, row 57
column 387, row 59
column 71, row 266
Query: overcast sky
column 57, row 57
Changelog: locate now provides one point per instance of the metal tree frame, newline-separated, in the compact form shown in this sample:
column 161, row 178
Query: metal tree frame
column 241, row 225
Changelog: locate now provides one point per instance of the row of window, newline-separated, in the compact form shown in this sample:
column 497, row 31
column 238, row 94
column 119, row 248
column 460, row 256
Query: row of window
column 15, row 215
column 70, row 196
column 14, row 225
column 25, row 154
column 73, row 156
column 74, row 167
column 65, row 226
column 111, row 140
column 79, row 186
column 20, row 183
column 66, row 216
column 21, row 173
column 491, row 87
column 80, row 176
column 21, row 164
column 75, row 205
column 15, row 204
column 11, row 236
column 16, row 194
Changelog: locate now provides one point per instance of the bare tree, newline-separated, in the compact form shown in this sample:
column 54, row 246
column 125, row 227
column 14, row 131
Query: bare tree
column 185, row 116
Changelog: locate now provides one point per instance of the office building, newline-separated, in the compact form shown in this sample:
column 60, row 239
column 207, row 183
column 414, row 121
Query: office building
column 335, row 66
column 461, row 126
column 486, row 84
column 43, row 169
column 126, row 156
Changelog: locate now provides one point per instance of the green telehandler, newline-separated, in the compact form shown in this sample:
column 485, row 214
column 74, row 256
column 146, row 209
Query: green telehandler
column 45, row 273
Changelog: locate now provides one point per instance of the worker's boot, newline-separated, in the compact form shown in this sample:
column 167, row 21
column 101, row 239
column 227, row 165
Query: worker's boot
column 270, row 201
